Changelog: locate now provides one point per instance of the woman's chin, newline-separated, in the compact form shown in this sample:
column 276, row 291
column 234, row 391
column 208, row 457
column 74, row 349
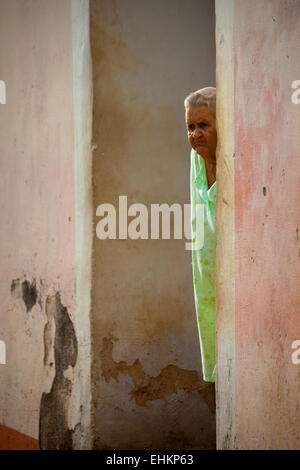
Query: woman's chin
column 206, row 156
column 202, row 151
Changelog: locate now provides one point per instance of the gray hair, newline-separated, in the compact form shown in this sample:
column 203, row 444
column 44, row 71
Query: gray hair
column 204, row 96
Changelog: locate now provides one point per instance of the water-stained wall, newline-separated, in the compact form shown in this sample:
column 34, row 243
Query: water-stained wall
column 47, row 341
column 148, row 391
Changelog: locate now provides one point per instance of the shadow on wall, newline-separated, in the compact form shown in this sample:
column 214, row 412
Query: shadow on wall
column 148, row 390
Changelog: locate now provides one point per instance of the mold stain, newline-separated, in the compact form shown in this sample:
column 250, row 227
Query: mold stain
column 29, row 294
column 60, row 338
column 54, row 432
column 25, row 290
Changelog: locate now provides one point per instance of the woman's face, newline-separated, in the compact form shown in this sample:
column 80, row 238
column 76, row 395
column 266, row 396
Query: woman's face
column 202, row 133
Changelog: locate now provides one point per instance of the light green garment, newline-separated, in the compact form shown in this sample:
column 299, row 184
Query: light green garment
column 204, row 266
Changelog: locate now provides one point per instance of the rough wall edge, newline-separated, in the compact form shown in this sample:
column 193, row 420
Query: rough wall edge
column 225, row 258
column 80, row 416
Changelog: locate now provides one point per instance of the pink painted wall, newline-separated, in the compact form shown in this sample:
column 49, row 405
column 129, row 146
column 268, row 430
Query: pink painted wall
column 267, row 223
column 37, row 199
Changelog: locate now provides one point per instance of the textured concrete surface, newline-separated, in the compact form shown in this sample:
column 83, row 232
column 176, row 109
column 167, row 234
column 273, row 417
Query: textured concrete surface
column 225, row 263
column 148, row 391
column 265, row 408
column 146, row 375
column 37, row 200
column 80, row 419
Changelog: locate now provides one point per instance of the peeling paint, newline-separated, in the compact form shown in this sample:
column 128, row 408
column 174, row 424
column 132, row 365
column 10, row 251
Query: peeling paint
column 148, row 388
column 48, row 332
column 142, row 293
column 54, row 432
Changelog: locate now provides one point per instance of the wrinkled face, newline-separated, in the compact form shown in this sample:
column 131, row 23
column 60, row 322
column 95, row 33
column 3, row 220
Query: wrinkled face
column 202, row 133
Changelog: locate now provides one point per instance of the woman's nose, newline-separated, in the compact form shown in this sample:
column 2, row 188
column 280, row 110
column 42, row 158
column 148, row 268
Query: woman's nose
column 198, row 132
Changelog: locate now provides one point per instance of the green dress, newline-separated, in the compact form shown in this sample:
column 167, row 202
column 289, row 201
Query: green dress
column 204, row 265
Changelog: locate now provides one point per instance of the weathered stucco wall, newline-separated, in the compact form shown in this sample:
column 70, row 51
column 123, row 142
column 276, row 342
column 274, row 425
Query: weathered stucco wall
column 225, row 262
column 267, row 198
column 46, row 351
column 80, row 406
column 265, row 43
column 148, row 390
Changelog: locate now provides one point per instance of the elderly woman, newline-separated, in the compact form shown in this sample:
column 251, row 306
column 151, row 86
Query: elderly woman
column 200, row 115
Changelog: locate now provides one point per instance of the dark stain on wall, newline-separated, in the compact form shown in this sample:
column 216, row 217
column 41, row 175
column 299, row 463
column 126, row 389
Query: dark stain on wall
column 26, row 290
column 29, row 294
column 59, row 333
column 54, row 432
